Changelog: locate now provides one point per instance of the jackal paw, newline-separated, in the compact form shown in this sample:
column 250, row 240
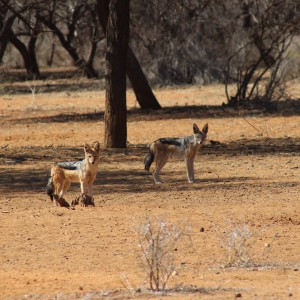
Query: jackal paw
column 61, row 201
column 75, row 201
column 84, row 200
column 87, row 200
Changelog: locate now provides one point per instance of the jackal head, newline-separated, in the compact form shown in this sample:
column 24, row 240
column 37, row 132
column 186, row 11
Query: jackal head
column 200, row 136
column 92, row 153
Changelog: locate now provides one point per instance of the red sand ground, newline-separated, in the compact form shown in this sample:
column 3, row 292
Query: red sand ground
column 251, row 179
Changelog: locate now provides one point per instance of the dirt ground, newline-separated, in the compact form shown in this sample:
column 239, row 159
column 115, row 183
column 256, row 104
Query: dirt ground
column 248, row 176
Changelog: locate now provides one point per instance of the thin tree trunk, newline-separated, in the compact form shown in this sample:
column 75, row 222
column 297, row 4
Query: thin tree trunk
column 32, row 54
column 66, row 43
column 117, row 35
column 50, row 59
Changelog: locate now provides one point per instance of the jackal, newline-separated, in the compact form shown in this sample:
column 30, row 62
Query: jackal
column 84, row 172
column 188, row 146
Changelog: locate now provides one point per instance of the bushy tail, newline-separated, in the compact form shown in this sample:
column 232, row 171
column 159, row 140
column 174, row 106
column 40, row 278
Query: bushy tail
column 149, row 159
column 50, row 189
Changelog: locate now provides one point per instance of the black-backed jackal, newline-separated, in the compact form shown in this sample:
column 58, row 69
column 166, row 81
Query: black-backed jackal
column 64, row 173
column 188, row 146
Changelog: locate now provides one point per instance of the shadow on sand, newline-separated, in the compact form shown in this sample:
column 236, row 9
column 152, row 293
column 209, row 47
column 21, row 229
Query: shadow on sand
column 14, row 177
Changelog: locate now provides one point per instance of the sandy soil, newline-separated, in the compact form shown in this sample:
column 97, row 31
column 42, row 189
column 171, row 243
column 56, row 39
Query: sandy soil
column 249, row 180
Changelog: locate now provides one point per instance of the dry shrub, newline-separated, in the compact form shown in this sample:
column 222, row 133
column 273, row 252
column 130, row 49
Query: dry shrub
column 158, row 241
column 239, row 241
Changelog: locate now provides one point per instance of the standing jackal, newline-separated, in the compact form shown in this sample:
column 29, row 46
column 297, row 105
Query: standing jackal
column 187, row 146
column 84, row 171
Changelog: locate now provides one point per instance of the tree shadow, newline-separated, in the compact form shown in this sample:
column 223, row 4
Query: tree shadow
column 130, row 177
column 20, row 181
column 50, row 81
column 135, row 152
column 181, row 112
column 18, row 89
column 125, row 182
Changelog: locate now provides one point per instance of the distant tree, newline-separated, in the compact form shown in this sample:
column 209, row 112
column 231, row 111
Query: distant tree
column 29, row 27
column 172, row 39
column 63, row 19
column 257, row 64
column 246, row 42
column 28, row 52
column 117, row 36
column 7, row 19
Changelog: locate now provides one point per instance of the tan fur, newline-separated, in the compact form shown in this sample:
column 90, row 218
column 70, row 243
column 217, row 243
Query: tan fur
column 162, row 151
column 85, row 175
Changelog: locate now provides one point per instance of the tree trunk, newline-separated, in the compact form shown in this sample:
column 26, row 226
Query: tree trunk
column 117, row 35
column 32, row 54
column 257, row 37
column 5, row 32
column 140, row 85
column 142, row 90
column 31, row 67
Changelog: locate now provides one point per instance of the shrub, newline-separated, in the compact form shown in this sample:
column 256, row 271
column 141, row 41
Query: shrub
column 158, row 240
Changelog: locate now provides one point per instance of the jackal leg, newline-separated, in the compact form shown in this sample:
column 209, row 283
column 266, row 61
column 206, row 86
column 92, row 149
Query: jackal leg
column 91, row 193
column 60, row 186
column 159, row 164
column 90, row 186
column 190, row 169
column 83, row 187
column 58, row 183
column 90, row 190
column 87, row 193
column 66, row 186
column 60, row 189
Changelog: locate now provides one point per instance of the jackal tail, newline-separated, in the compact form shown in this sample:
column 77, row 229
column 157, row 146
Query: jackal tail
column 50, row 189
column 149, row 159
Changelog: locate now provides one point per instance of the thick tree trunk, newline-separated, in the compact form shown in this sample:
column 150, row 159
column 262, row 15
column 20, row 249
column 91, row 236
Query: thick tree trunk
column 5, row 32
column 117, row 34
column 140, row 85
column 29, row 62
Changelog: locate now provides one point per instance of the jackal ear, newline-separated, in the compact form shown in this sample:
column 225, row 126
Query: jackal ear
column 97, row 146
column 196, row 128
column 86, row 147
column 205, row 128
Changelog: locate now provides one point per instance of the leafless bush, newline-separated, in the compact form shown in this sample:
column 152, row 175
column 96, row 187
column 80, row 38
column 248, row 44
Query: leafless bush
column 239, row 241
column 257, row 63
column 158, row 241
